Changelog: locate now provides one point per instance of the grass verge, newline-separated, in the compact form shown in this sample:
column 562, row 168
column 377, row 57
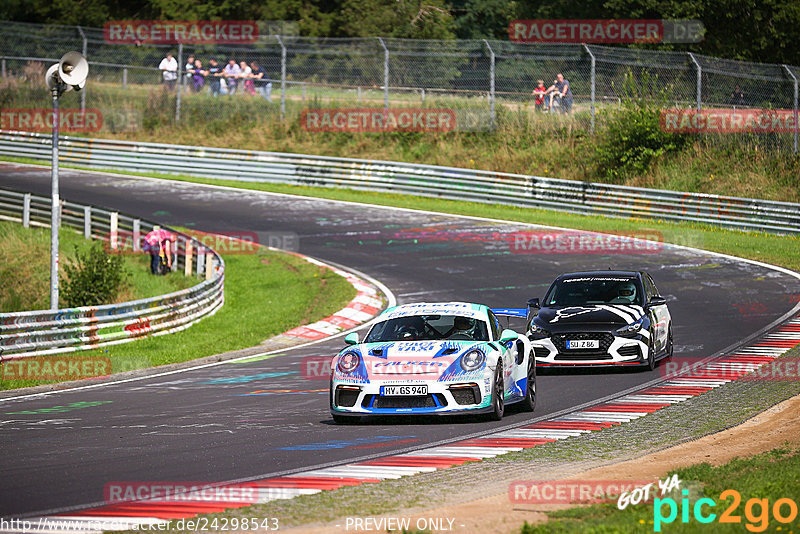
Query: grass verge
column 769, row 248
column 759, row 481
column 25, row 268
column 265, row 294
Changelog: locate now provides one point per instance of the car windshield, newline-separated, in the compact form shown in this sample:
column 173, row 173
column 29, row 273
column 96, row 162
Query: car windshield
column 429, row 327
column 594, row 290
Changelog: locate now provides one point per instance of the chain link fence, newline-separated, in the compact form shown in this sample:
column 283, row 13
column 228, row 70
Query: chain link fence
column 485, row 83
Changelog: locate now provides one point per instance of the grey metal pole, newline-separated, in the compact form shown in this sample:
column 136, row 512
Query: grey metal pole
column 385, row 76
column 55, row 209
column 125, row 79
column 3, row 68
column 699, row 79
column 181, row 80
column 283, row 76
column 491, row 84
column 593, row 77
column 83, row 91
column 796, row 126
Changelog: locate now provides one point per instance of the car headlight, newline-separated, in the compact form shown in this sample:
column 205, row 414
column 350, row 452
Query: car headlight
column 472, row 360
column 348, row 362
column 632, row 328
column 538, row 331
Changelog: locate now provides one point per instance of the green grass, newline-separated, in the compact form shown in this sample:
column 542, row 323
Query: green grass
column 265, row 294
column 25, row 269
column 771, row 475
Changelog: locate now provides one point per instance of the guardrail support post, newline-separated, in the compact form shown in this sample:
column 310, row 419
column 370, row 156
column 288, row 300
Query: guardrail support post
column 796, row 126
column 593, row 80
column 114, row 230
column 699, row 80
column 187, row 268
column 385, row 76
column 26, row 210
column 201, row 259
column 209, row 267
column 124, row 78
column 283, row 76
column 137, row 234
column 491, row 83
column 87, row 222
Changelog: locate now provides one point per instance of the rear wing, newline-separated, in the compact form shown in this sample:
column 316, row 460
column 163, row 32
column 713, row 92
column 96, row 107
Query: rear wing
column 511, row 312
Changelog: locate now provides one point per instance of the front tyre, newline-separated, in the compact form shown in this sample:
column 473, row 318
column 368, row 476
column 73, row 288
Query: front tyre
column 498, row 392
column 650, row 364
column 529, row 401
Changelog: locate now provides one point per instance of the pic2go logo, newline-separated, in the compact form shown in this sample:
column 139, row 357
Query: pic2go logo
column 756, row 511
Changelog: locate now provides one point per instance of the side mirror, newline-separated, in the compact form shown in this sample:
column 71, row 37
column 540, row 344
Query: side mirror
column 534, row 303
column 507, row 335
column 657, row 301
column 351, row 338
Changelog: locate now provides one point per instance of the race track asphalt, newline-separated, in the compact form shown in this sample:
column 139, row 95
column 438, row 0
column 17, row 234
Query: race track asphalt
column 207, row 424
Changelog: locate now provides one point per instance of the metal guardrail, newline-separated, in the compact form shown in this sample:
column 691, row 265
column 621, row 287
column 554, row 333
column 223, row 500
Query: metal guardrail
column 35, row 333
column 424, row 180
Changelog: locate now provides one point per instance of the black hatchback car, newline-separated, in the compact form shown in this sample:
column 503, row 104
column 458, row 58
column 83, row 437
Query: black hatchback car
column 601, row 318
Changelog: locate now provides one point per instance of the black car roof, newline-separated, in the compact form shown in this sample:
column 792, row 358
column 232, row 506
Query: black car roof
column 599, row 274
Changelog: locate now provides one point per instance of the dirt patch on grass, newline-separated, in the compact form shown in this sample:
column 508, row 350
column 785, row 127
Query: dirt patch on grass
column 496, row 514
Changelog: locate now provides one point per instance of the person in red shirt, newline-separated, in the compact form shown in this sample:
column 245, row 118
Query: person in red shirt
column 539, row 93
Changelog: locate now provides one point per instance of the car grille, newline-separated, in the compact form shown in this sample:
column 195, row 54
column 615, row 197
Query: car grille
column 541, row 352
column 346, row 398
column 416, row 401
column 630, row 350
column 466, row 395
column 585, row 355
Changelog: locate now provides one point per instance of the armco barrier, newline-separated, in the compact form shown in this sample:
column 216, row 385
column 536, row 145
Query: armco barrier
column 424, row 180
column 34, row 333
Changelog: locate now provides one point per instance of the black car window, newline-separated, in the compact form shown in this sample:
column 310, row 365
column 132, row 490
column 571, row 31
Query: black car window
column 592, row 290
column 495, row 325
column 428, row 327
column 648, row 286
column 655, row 291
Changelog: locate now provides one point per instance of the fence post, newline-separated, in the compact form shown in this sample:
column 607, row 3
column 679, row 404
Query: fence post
column 83, row 91
column 187, row 268
column 26, row 210
column 491, row 84
column 304, row 93
column 181, row 81
column 796, row 126
column 137, row 234
column 3, row 67
column 385, row 76
column 593, row 78
column 201, row 259
column 209, row 267
column 87, row 222
column 125, row 78
column 283, row 76
column 114, row 230
column 699, row 79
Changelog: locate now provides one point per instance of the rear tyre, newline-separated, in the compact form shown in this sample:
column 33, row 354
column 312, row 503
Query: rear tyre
column 498, row 390
column 529, row 401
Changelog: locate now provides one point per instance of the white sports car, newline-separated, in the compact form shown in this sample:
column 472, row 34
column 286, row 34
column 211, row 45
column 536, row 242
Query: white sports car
column 433, row 358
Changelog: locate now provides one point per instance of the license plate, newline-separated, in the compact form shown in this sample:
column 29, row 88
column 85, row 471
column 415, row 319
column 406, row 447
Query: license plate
column 401, row 391
column 583, row 344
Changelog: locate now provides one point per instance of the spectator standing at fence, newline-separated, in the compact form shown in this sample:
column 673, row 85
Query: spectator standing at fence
column 247, row 78
column 561, row 85
column 232, row 72
column 539, row 93
column 198, row 76
column 261, row 80
column 214, row 77
column 737, row 97
column 169, row 71
column 158, row 243
column 188, row 68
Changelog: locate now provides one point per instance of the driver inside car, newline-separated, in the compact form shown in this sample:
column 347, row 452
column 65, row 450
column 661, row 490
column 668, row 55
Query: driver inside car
column 411, row 329
column 462, row 327
column 626, row 294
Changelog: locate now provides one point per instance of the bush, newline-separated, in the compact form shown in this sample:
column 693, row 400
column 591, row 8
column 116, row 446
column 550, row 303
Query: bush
column 94, row 278
column 632, row 137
